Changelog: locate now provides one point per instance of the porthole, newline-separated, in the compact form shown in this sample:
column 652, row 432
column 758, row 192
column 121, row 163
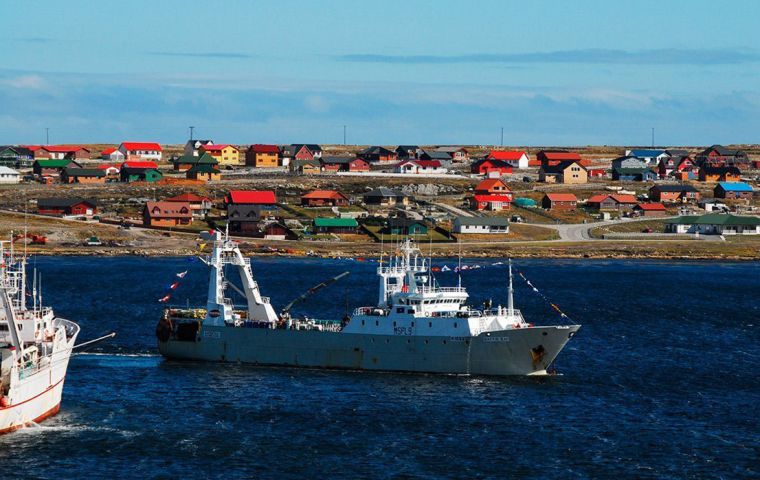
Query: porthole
column 544, row 333
column 430, row 324
column 455, row 324
column 362, row 323
column 412, row 323
column 377, row 323
column 444, row 342
column 394, row 324
column 426, row 342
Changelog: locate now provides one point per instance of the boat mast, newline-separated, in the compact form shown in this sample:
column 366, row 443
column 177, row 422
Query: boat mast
column 510, row 301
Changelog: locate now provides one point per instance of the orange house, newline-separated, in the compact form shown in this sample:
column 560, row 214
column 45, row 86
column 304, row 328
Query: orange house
column 167, row 214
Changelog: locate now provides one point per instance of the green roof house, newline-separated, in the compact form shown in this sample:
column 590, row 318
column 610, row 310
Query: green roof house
column 714, row 224
column 335, row 225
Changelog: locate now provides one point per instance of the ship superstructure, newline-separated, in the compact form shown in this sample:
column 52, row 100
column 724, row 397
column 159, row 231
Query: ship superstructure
column 35, row 346
column 416, row 326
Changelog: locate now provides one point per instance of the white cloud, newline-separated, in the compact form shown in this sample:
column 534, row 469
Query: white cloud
column 27, row 82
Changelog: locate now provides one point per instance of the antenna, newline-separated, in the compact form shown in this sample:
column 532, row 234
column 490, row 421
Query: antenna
column 344, row 135
column 652, row 137
column 191, row 132
column 459, row 267
column 47, row 136
column 510, row 301
column 502, row 136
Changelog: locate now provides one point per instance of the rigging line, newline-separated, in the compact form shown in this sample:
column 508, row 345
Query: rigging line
column 546, row 299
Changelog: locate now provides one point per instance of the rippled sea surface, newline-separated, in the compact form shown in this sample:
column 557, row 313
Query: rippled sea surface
column 662, row 381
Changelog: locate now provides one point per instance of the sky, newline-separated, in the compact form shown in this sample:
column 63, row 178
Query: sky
column 393, row 72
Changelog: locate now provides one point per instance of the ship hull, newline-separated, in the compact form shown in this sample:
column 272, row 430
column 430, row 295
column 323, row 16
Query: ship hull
column 525, row 351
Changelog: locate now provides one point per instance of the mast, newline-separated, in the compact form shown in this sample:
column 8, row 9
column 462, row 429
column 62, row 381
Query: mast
column 510, row 302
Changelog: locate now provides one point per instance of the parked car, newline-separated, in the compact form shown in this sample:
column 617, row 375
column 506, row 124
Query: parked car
column 647, row 230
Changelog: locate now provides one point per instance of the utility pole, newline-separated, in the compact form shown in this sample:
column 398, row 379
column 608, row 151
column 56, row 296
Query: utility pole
column 502, row 137
column 191, row 132
column 344, row 135
column 652, row 137
column 47, row 136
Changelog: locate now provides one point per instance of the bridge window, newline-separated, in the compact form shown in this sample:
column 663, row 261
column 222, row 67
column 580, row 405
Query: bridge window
column 455, row 324
column 430, row 324
column 377, row 323
column 394, row 324
column 362, row 323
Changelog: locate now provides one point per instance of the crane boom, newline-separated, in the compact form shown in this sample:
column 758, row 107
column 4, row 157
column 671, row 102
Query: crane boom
column 312, row 291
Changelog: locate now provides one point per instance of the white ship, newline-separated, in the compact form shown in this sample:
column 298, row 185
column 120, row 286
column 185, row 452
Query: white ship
column 35, row 346
column 416, row 326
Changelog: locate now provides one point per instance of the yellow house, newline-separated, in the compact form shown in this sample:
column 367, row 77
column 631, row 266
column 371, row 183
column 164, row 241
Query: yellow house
column 564, row 172
column 205, row 172
column 262, row 156
column 224, row 154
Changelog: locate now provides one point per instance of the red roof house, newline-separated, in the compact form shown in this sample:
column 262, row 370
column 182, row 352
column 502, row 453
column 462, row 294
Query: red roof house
column 559, row 201
column 517, row 159
column 491, row 194
column 611, row 202
column 488, row 166
column 251, row 197
column 554, row 157
column 650, row 209
column 139, row 165
column 321, row 198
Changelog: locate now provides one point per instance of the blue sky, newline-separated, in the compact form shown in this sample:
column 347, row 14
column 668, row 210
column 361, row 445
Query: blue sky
column 445, row 71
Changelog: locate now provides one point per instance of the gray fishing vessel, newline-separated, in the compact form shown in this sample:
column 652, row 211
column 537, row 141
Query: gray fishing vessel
column 416, row 326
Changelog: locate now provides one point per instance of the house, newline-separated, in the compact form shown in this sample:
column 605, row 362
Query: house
column 192, row 147
column 323, row 198
column 205, row 172
column 245, row 208
column 625, row 174
column 167, row 214
column 719, row 174
column 554, row 157
column 422, row 167
column 47, row 167
column 141, row 151
column 481, row 225
column 111, row 171
column 112, row 154
column 224, row 154
column 720, row 156
column 67, row 206
column 377, row 154
column 60, row 152
column 649, row 156
column 186, row 162
column 443, row 158
column 262, row 156
column 559, row 201
column 714, row 224
column 612, row 202
column 404, row 152
column 596, row 172
column 406, row 226
column 335, row 225
column 650, row 210
column 677, row 164
column 385, row 197
column 457, row 154
column 674, row 193
column 566, row 171
column 15, row 156
column 517, row 159
column 8, row 175
column 492, row 186
column 629, row 162
column 137, row 171
column 344, row 164
column 199, row 206
column 491, row 194
column 491, row 167
column 305, row 151
column 83, row 175
column 274, row 230
column 305, row 167
column 735, row 190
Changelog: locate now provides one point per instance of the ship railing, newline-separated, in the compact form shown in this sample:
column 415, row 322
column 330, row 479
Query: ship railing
column 374, row 311
column 425, row 289
column 265, row 300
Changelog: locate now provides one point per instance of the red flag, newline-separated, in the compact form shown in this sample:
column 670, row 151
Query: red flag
column 164, row 299
column 174, row 285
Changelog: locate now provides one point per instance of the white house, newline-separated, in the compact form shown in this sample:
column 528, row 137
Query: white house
column 142, row 151
column 112, row 155
column 481, row 225
column 651, row 156
column 420, row 167
column 192, row 146
column 9, row 175
column 714, row 224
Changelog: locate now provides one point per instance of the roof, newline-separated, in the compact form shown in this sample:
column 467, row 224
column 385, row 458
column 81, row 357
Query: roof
column 488, row 221
column 407, row 147
column 556, row 155
column 450, row 149
column 562, row 197
column 437, row 155
column 675, row 188
column 489, row 183
column 45, row 163
column 313, row 147
column 319, row 194
column 337, row 159
column 560, row 167
column 335, row 222
column 139, row 165
column 632, row 170
column 505, row 155
column 721, row 170
column 735, row 186
column 106, row 166
column 261, row 197
column 141, row 146
column 644, row 152
column 384, row 192
column 217, row 148
column 376, row 150
column 493, row 198
column 494, row 162
column 716, row 219
column 84, row 172
column 404, row 222
column 203, row 168
column 187, row 197
column 262, row 148
column 313, row 163
column 616, row 197
column 108, row 151
column 196, row 160
column 7, row 170
column 63, row 148
column 723, row 151
column 63, row 202
column 168, row 209
column 428, row 163
column 651, row 207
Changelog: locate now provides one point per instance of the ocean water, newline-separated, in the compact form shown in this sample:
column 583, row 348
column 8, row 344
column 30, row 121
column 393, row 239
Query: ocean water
column 661, row 382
